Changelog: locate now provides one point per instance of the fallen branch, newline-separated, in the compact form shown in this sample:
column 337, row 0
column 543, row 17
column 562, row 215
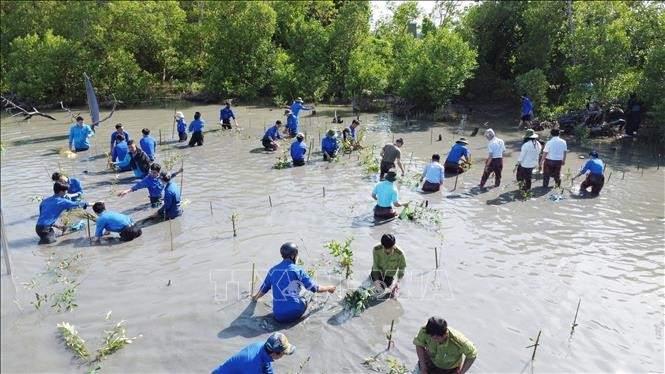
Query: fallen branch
column 9, row 105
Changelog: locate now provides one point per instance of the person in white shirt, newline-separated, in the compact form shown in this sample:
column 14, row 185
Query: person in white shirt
column 554, row 157
column 528, row 159
column 494, row 161
column 433, row 175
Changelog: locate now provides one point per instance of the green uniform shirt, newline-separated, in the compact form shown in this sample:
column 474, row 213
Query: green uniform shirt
column 388, row 265
column 447, row 354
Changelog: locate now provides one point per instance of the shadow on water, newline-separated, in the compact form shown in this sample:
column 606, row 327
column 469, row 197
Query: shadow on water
column 346, row 315
column 41, row 140
column 368, row 220
column 248, row 325
column 515, row 195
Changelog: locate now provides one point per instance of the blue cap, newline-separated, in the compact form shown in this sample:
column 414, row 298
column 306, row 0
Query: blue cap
column 278, row 343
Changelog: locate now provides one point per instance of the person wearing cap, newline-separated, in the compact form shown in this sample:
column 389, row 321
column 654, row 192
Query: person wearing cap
column 494, row 161
column 527, row 112
column 391, row 155
column 297, row 106
column 50, row 210
column 148, row 144
column 257, row 357
column 182, row 127
column 528, row 159
column 196, row 128
column 171, row 207
column 388, row 264
column 139, row 162
column 78, row 136
column 108, row 222
column 433, row 175
column 286, row 280
column 291, row 123
column 595, row 179
column 386, row 197
column 225, row 116
column 153, row 183
column 119, row 130
column 120, row 154
column 75, row 190
column 459, row 152
column 442, row 349
column 329, row 145
column 554, row 157
column 269, row 140
column 298, row 150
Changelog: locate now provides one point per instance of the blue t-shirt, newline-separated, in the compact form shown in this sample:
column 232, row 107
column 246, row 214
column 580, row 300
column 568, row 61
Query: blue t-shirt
column 286, row 280
column 353, row 132
column 171, row 201
column 79, row 136
column 74, row 186
column 273, row 133
column 119, row 151
column 196, row 125
column 148, row 145
column 527, row 105
column 329, row 145
column 113, row 135
column 52, row 207
column 292, row 123
column 433, row 173
column 386, row 194
column 298, row 150
column 182, row 125
column 226, row 113
column 251, row 359
column 296, row 107
column 111, row 221
column 594, row 165
column 456, row 153
column 154, row 186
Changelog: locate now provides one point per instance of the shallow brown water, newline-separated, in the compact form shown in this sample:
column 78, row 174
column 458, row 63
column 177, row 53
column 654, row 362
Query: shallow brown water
column 508, row 268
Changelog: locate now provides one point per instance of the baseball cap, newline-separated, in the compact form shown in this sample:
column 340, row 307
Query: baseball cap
column 278, row 343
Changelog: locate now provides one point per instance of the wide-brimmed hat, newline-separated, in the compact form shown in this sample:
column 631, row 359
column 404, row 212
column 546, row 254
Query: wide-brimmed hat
column 299, row 99
column 391, row 176
column 462, row 141
column 530, row 134
column 300, row 136
column 278, row 343
column 331, row 133
column 179, row 115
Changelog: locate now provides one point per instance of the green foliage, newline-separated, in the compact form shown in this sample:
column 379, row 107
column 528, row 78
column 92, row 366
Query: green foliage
column 73, row 341
column 344, row 254
column 368, row 68
column 282, row 161
column 114, row 340
column 534, row 83
column 357, row 300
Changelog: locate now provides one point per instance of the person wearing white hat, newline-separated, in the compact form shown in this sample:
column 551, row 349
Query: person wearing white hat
column 528, row 159
column 182, row 127
column 296, row 107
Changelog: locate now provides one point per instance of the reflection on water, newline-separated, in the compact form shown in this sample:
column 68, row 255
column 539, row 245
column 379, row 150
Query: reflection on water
column 508, row 268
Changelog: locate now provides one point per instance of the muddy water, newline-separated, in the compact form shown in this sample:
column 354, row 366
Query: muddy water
column 508, row 268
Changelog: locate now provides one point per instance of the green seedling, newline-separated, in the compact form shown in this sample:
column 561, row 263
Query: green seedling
column 234, row 222
column 73, row 341
column 170, row 163
column 282, row 161
column 114, row 340
column 65, row 299
column 357, row 300
column 344, row 253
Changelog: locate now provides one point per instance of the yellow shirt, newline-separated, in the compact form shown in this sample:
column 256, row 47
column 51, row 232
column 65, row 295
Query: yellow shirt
column 449, row 353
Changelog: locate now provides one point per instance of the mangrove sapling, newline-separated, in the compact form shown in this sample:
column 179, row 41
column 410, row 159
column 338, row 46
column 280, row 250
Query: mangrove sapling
column 389, row 335
column 411, row 181
column 65, row 299
column 395, row 366
column 170, row 162
column 234, row 222
column 282, row 161
column 345, row 255
column 535, row 345
column 369, row 163
column 356, row 301
column 115, row 339
column 73, row 341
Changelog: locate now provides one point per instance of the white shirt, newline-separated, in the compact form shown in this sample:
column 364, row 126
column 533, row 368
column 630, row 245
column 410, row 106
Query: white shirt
column 433, row 173
column 529, row 154
column 496, row 147
column 555, row 149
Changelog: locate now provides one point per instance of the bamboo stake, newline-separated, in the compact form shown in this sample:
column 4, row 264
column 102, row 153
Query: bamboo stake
column 535, row 346
column 456, row 176
column 608, row 178
column 160, row 136
column 211, row 208
column 252, row 293
column 5, row 243
column 87, row 217
column 270, row 201
column 390, row 335
column 233, row 223
column 173, row 131
column 309, row 151
column 623, row 174
column 431, row 136
column 575, row 319
column 324, row 191
column 436, row 257
column 182, row 176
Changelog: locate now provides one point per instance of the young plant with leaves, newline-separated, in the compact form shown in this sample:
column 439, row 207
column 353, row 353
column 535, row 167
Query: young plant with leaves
column 344, row 254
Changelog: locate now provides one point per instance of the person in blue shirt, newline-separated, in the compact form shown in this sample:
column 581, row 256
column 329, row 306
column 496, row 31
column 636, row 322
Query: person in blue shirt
column 291, row 123
column 271, row 136
column 196, row 128
column 78, row 136
column 329, row 145
column 297, row 106
column 182, row 127
column 75, row 190
column 148, row 144
column 298, row 150
column 50, row 210
column 257, row 357
column 120, row 155
column 595, row 179
column 153, row 183
column 352, row 138
column 459, row 152
column 108, row 222
column 386, row 197
column 433, row 175
column 527, row 113
column 139, row 162
column 225, row 116
column 171, row 208
column 119, row 130
column 286, row 280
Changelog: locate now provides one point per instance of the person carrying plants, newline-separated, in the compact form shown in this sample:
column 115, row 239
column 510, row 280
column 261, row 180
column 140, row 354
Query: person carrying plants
column 329, row 145
column 257, row 357
column 595, row 179
column 108, row 222
column 433, row 175
column 459, row 152
column 443, row 350
column 50, row 210
column 225, row 116
column 391, row 155
column 386, row 197
column 352, row 136
column 75, row 190
column 388, row 262
column 286, row 279
column 298, row 150
column 269, row 140
column 78, row 136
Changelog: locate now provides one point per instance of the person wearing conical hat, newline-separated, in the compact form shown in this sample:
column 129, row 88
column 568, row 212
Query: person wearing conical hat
column 528, row 159
column 459, row 152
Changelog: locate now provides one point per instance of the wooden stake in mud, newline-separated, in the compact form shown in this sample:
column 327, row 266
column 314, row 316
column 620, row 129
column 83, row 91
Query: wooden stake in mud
column 87, row 217
column 173, row 130
column 309, row 151
column 431, row 136
column 324, row 191
column 436, row 257
column 211, row 208
column 270, row 201
column 535, row 346
column 623, row 175
column 608, row 178
column 160, row 136
column 233, row 223
column 455, row 187
column 5, row 244
column 390, row 334
column 252, row 292
column 182, row 176
column 575, row 319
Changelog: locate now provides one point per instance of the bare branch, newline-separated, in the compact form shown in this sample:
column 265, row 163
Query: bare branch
column 115, row 104
column 67, row 109
column 9, row 105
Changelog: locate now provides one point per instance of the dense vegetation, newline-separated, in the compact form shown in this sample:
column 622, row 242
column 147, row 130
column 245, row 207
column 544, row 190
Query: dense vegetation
column 325, row 50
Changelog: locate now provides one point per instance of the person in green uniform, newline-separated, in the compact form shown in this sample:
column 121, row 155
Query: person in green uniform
column 443, row 350
column 388, row 261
